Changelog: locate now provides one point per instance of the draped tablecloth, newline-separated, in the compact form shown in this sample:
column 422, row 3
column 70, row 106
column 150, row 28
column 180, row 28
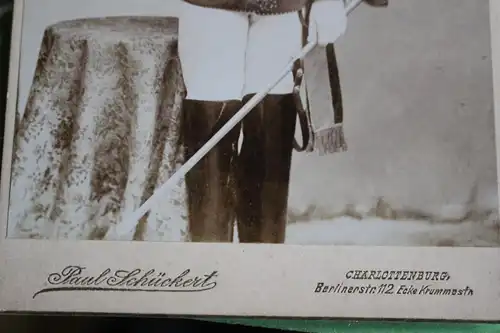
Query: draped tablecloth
column 100, row 132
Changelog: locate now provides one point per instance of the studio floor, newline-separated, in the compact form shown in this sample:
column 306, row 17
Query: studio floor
column 379, row 232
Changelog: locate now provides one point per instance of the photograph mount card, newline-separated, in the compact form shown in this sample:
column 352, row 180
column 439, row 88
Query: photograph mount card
column 319, row 159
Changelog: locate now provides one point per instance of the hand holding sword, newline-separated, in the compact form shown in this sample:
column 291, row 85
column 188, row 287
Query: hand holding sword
column 127, row 226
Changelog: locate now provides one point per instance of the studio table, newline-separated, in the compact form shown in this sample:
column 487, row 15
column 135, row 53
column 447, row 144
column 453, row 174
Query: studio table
column 100, row 131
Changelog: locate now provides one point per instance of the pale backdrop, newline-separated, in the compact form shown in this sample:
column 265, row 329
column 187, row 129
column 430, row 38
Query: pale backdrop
column 419, row 117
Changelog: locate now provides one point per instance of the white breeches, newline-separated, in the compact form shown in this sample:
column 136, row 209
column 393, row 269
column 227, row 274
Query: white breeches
column 226, row 55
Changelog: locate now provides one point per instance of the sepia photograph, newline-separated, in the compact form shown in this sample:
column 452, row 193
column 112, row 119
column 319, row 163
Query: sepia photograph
column 270, row 158
column 381, row 134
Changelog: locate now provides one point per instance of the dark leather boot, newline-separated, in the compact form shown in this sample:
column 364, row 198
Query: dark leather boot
column 264, row 170
column 211, row 183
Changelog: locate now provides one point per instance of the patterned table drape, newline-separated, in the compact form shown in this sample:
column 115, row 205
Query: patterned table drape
column 100, row 132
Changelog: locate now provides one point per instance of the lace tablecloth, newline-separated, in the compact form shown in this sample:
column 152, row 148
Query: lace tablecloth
column 100, row 132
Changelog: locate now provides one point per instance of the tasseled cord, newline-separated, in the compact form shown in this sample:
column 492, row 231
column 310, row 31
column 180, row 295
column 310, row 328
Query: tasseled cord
column 330, row 140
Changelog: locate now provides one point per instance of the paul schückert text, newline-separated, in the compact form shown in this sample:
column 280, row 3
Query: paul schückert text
column 76, row 278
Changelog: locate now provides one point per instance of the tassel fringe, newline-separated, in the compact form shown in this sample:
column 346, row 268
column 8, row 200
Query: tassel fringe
column 330, row 140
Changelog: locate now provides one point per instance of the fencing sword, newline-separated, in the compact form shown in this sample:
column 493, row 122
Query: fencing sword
column 130, row 222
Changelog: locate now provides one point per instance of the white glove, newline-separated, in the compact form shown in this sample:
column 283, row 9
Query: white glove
column 327, row 21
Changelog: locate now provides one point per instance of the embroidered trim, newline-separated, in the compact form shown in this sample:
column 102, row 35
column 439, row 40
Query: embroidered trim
column 258, row 7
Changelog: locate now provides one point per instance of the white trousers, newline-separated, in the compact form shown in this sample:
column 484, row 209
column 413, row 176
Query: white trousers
column 226, row 55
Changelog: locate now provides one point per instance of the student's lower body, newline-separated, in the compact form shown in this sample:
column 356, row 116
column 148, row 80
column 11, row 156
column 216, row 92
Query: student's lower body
column 226, row 58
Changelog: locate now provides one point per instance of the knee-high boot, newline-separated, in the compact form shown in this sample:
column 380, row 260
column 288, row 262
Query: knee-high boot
column 211, row 183
column 264, row 170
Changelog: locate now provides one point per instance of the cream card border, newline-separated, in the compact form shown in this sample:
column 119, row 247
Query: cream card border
column 257, row 280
